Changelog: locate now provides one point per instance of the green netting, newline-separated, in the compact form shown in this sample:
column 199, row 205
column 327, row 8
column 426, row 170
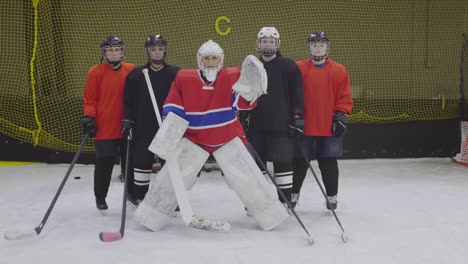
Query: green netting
column 403, row 56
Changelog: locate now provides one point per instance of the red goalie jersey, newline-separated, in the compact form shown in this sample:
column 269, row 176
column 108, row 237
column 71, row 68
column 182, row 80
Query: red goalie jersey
column 211, row 110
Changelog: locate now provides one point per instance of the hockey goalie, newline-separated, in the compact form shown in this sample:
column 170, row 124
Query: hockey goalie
column 200, row 118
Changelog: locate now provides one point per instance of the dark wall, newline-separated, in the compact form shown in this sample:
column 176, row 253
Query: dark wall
column 435, row 138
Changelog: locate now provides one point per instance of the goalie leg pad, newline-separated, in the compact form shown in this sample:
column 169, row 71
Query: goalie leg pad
column 150, row 217
column 160, row 200
column 191, row 160
column 244, row 176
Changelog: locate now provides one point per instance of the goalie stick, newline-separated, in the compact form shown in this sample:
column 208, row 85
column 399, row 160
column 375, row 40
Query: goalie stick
column 186, row 211
column 300, row 132
column 118, row 235
column 21, row 234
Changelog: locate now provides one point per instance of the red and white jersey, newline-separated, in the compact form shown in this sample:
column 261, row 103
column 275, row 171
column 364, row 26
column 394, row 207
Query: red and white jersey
column 211, row 110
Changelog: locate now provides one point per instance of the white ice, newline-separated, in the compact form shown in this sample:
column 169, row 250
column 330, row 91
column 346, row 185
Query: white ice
column 393, row 211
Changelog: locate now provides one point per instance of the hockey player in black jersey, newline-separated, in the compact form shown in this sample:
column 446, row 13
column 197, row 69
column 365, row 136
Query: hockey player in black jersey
column 140, row 121
column 269, row 121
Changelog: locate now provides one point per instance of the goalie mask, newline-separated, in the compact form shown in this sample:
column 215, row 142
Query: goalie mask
column 268, row 41
column 210, row 58
column 156, row 49
column 113, row 48
column 318, row 46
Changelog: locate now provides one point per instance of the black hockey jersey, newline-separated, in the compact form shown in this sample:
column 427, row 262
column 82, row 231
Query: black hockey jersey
column 137, row 101
column 284, row 97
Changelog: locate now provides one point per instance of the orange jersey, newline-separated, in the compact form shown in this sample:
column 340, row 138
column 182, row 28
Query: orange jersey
column 326, row 90
column 103, row 98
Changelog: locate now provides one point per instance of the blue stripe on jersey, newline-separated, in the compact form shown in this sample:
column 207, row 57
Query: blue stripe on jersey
column 235, row 101
column 176, row 109
column 210, row 119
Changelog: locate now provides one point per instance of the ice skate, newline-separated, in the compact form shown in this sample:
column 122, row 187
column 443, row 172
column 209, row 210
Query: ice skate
column 294, row 199
column 101, row 205
column 332, row 202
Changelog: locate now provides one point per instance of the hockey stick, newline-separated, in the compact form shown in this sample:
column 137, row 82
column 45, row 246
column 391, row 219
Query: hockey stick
column 186, row 211
column 299, row 131
column 21, row 234
column 118, row 235
column 263, row 167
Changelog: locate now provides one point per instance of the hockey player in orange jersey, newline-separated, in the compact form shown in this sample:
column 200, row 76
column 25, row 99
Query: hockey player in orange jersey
column 103, row 112
column 327, row 102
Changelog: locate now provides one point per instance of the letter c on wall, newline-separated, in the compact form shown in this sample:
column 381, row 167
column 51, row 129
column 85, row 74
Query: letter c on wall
column 228, row 29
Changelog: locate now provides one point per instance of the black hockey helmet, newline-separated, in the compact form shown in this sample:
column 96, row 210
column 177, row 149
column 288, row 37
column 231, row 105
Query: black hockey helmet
column 112, row 42
column 156, row 41
column 318, row 37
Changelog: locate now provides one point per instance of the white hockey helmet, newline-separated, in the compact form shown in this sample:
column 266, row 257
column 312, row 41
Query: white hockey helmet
column 268, row 41
column 210, row 58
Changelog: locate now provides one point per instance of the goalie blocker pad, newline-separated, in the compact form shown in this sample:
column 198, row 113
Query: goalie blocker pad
column 168, row 136
column 246, row 179
column 253, row 81
column 160, row 200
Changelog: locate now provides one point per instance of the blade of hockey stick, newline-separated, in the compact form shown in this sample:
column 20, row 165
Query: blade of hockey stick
column 205, row 224
column 184, row 204
column 110, row 236
column 15, row 234
column 20, row 234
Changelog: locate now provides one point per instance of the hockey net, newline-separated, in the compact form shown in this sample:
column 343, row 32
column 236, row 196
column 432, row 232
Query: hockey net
column 49, row 45
column 462, row 157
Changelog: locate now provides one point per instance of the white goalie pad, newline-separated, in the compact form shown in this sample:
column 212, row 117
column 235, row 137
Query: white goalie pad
column 168, row 136
column 160, row 200
column 246, row 179
column 253, row 80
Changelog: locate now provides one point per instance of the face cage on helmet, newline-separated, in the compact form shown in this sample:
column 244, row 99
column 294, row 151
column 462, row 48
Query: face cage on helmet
column 210, row 71
column 161, row 61
column 268, row 52
column 117, row 62
column 319, row 58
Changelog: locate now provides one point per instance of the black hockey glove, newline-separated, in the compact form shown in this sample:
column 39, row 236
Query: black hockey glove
column 128, row 128
column 340, row 122
column 297, row 121
column 87, row 123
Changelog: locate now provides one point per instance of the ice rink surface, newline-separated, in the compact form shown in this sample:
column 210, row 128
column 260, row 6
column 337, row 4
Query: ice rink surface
column 394, row 211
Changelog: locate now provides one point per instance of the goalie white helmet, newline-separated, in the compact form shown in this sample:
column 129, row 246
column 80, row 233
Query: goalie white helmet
column 268, row 41
column 210, row 58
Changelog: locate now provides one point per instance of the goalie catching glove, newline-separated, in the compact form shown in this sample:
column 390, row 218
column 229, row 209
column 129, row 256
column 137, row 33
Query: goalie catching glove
column 253, row 80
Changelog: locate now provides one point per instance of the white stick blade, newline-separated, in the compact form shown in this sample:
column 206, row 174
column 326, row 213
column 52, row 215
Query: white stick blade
column 214, row 226
column 19, row 234
column 344, row 237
